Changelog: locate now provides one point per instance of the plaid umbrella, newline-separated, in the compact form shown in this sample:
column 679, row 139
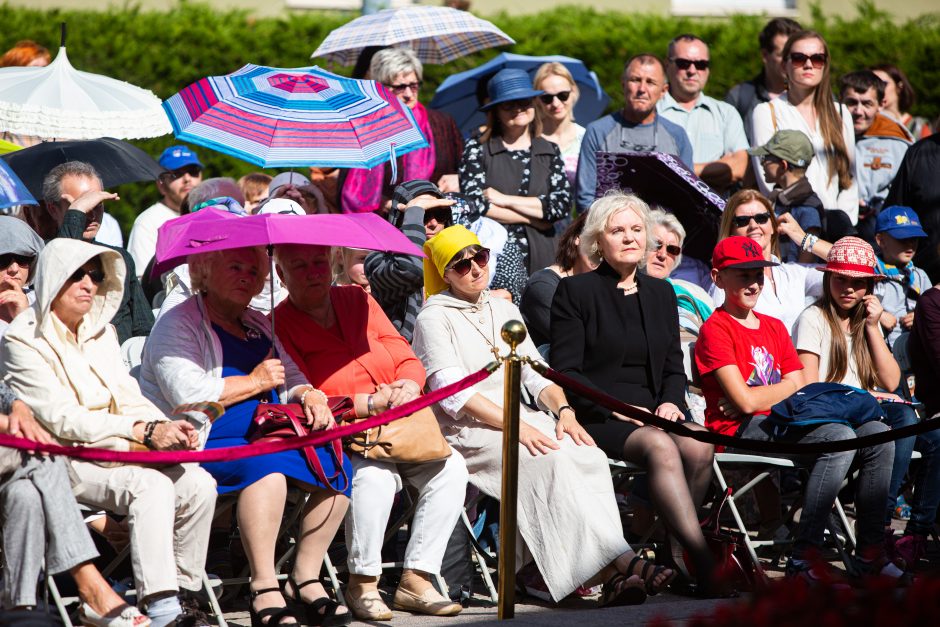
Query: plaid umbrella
column 437, row 34
column 277, row 117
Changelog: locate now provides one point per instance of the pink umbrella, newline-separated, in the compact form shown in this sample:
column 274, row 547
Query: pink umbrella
column 212, row 229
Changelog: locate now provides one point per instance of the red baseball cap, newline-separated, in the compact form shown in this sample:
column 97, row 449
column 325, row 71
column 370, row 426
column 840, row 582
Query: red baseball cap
column 738, row 251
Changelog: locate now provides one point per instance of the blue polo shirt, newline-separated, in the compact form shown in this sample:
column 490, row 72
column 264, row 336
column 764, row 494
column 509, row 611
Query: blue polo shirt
column 714, row 127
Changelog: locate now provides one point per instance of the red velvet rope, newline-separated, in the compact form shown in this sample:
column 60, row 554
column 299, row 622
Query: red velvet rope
column 250, row 450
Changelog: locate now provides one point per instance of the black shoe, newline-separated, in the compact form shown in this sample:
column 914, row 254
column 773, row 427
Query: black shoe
column 275, row 615
column 192, row 615
column 319, row 612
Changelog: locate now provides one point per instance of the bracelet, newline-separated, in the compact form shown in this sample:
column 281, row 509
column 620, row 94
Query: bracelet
column 563, row 408
column 148, row 433
column 370, row 406
column 803, row 241
column 812, row 242
column 309, row 389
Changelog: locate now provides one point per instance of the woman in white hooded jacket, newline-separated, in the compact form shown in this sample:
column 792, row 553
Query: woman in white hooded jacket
column 62, row 358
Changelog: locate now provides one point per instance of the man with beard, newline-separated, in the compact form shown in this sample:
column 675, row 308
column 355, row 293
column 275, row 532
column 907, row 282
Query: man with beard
column 183, row 172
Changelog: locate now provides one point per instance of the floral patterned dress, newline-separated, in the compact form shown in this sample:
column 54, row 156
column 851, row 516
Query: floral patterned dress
column 511, row 273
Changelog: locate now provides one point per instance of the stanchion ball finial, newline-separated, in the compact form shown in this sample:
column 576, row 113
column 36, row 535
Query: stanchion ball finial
column 513, row 333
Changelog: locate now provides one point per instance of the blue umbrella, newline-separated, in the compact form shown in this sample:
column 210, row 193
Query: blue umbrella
column 12, row 190
column 458, row 94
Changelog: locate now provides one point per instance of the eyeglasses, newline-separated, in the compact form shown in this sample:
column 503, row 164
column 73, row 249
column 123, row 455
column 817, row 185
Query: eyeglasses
column 515, row 105
column 171, row 175
column 548, row 98
column 96, row 276
column 818, row 60
column 742, row 221
column 481, row 258
column 700, row 64
column 441, row 214
column 21, row 260
column 398, row 89
column 671, row 249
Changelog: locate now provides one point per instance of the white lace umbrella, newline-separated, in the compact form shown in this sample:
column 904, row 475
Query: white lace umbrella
column 58, row 101
column 437, row 34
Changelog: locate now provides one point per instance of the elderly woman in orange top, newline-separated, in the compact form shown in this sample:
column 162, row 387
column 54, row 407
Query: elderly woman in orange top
column 345, row 345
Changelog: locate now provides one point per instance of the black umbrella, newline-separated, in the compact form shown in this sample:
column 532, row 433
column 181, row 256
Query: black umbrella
column 663, row 180
column 116, row 161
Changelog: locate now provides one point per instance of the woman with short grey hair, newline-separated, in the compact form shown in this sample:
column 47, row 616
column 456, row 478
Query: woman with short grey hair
column 362, row 191
column 663, row 256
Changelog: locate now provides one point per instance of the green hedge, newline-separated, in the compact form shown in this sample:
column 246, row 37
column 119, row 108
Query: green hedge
column 167, row 51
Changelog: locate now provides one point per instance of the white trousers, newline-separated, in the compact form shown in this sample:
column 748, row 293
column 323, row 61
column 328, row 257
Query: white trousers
column 441, row 486
column 169, row 512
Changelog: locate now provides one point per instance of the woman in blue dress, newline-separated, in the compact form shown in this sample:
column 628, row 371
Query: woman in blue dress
column 214, row 348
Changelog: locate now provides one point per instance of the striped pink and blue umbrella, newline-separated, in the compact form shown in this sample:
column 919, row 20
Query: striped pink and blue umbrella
column 279, row 117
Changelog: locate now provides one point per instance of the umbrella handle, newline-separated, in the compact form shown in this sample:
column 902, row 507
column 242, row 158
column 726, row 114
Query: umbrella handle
column 62, row 35
column 281, row 389
column 391, row 149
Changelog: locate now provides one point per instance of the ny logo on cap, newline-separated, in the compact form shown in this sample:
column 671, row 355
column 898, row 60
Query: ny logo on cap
column 751, row 249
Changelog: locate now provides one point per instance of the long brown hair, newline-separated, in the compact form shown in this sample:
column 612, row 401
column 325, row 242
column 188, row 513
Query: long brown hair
column 830, row 116
column 838, row 348
column 743, row 197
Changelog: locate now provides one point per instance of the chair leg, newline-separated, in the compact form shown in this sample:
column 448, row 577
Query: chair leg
column 334, row 580
column 213, row 601
column 849, row 534
column 480, row 560
column 738, row 520
column 59, row 603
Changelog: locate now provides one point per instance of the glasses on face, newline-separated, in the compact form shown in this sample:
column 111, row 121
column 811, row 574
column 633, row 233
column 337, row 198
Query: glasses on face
column 548, row 98
column 481, row 258
column 671, row 249
column 700, row 64
column 442, row 215
column 21, row 260
column 516, row 105
column 400, row 89
column 742, row 221
column 171, row 175
column 799, row 59
column 96, row 276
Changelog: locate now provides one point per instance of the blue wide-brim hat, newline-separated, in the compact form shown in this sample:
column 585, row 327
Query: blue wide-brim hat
column 509, row 84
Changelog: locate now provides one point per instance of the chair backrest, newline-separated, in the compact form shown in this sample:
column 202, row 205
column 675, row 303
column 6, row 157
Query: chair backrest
column 132, row 353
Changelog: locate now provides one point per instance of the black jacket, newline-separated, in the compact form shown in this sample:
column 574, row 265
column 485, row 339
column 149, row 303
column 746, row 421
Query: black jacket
column 589, row 337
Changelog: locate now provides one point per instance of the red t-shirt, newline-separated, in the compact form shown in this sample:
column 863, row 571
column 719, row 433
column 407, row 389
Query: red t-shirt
column 763, row 356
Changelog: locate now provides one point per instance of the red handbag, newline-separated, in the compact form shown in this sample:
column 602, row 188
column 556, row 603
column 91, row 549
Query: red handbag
column 273, row 421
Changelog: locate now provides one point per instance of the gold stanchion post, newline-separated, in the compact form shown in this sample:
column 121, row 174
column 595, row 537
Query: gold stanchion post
column 513, row 333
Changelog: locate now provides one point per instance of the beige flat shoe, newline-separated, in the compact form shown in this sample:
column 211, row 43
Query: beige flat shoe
column 368, row 606
column 429, row 602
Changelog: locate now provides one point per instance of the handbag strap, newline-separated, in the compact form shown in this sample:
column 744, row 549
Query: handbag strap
column 313, row 460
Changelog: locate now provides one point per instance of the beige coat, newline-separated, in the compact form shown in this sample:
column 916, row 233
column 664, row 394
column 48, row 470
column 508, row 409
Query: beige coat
column 77, row 386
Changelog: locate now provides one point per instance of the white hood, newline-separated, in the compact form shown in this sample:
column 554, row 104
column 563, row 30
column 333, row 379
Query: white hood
column 57, row 261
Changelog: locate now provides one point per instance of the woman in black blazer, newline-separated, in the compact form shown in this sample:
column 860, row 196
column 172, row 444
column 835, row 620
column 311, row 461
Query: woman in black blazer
column 617, row 330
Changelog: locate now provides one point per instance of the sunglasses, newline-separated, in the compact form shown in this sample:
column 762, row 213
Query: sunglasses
column 172, row 175
column 441, row 214
column 21, row 260
column 671, row 249
column 742, row 221
column 398, row 89
column 481, row 258
column 96, row 276
column 700, row 64
column 548, row 98
column 515, row 105
column 799, row 59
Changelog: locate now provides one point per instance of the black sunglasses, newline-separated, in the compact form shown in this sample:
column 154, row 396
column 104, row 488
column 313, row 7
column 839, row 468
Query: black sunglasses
column 172, row 175
column 671, row 249
column 799, row 59
column 548, row 98
column 441, row 214
column 23, row 260
column 516, row 105
column 742, row 221
column 398, row 89
column 481, row 258
column 96, row 276
column 684, row 64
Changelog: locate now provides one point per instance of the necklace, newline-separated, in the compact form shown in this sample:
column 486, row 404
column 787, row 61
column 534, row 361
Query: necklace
column 491, row 343
column 630, row 289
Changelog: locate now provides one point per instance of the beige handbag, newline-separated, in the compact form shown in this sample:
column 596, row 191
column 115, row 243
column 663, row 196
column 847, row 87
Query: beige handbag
column 414, row 439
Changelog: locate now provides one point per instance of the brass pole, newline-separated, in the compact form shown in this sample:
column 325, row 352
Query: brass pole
column 513, row 333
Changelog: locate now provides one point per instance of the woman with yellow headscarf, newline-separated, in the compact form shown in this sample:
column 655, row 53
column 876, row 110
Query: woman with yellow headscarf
column 568, row 517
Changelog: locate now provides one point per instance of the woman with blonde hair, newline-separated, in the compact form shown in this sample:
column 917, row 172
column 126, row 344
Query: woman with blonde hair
column 555, row 109
column 808, row 106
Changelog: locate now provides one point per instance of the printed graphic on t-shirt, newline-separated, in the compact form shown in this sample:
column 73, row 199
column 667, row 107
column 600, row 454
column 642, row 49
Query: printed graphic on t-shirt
column 765, row 372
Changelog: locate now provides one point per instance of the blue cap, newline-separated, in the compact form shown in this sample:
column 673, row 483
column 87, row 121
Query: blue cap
column 176, row 157
column 899, row 222
column 510, row 84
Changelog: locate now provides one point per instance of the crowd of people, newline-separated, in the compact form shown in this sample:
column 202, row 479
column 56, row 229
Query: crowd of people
column 822, row 272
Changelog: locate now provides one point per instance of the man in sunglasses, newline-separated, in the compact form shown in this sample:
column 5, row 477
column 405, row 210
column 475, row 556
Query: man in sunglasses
column 72, row 205
column 635, row 128
column 714, row 128
column 19, row 246
column 182, row 172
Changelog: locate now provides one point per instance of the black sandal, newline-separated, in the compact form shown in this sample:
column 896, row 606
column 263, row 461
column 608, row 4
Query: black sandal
column 617, row 593
column 274, row 615
column 319, row 612
column 649, row 579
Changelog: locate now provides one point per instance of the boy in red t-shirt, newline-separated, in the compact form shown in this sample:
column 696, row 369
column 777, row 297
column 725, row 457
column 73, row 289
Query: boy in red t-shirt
column 747, row 364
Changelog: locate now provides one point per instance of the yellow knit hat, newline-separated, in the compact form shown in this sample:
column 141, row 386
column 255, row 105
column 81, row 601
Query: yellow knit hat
column 440, row 249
